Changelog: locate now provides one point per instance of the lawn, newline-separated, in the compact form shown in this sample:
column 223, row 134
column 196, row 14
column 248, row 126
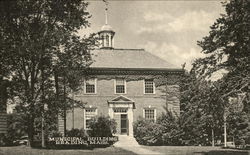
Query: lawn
column 190, row 150
column 24, row 150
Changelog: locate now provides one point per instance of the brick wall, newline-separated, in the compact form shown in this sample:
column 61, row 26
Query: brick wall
column 105, row 92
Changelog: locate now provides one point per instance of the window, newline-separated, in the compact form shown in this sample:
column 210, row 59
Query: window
column 150, row 114
column 89, row 114
column 90, row 86
column 107, row 41
column 149, row 86
column 120, row 110
column 120, row 86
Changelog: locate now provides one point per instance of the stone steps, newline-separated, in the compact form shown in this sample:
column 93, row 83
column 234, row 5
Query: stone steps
column 125, row 140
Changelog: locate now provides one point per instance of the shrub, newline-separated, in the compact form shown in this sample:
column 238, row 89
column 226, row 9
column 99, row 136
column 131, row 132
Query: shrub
column 172, row 131
column 76, row 133
column 102, row 127
column 69, row 133
column 147, row 132
column 166, row 131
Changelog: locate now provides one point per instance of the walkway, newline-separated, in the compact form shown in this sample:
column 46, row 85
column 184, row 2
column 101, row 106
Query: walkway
column 129, row 143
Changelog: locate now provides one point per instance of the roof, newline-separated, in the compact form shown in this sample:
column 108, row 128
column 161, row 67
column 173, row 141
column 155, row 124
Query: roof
column 128, row 59
column 106, row 27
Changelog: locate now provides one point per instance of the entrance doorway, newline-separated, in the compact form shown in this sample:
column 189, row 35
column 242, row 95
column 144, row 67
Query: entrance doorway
column 124, row 123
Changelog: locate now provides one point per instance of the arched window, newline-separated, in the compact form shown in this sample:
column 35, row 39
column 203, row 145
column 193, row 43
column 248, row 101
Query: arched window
column 107, row 40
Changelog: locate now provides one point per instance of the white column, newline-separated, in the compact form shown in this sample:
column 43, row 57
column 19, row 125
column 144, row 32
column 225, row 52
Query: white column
column 131, row 120
column 110, row 40
column 84, row 119
column 113, row 42
column 111, row 112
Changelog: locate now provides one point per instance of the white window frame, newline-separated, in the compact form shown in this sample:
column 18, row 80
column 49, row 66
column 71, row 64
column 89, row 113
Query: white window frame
column 95, row 80
column 84, row 117
column 150, row 109
column 144, row 87
column 125, row 86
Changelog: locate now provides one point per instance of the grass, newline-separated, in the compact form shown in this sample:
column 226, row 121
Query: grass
column 24, row 150
column 190, row 150
column 164, row 150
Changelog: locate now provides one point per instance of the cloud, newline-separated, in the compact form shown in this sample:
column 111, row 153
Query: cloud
column 197, row 20
column 155, row 17
column 173, row 53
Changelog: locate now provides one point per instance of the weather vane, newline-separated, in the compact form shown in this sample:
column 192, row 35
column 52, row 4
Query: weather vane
column 106, row 11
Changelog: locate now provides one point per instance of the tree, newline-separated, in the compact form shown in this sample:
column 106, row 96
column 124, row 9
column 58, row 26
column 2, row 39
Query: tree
column 38, row 44
column 227, row 50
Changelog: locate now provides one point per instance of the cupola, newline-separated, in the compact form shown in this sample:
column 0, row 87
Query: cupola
column 106, row 34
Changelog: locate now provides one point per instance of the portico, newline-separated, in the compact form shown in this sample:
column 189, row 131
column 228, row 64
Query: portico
column 121, row 109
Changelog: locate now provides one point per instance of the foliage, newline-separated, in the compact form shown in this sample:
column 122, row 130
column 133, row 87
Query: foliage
column 16, row 128
column 76, row 133
column 239, row 128
column 172, row 131
column 202, row 110
column 227, row 50
column 148, row 132
column 102, row 126
column 41, row 55
column 69, row 133
column 204, row 101
column 165, row 131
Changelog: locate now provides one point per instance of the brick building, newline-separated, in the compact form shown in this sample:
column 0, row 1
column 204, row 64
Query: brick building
column 122, row 84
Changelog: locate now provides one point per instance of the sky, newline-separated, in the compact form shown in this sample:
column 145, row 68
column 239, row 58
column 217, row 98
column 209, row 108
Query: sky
column 168, row 29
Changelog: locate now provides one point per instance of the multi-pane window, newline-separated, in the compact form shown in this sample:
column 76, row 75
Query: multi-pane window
column 149, row 114
column 120, row 86
column 149, row 86
column 120, row 110
column 89, row 114
column 90, row 86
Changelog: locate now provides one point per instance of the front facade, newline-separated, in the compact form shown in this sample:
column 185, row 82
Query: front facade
column 124, row 97
column 124, row 84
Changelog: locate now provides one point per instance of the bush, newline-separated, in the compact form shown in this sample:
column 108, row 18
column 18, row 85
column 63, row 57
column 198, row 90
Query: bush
column 102, row 127
column 69, row 133
column 166, row 131
column 172, row 131
column 76, row 133
column 15, row 130
column 147, row 132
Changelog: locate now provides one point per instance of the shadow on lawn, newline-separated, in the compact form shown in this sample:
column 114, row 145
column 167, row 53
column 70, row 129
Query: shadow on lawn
column 220, row 152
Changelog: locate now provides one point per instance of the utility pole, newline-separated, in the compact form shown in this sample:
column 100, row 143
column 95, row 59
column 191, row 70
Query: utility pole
column 64, row 108
column 43, row 99
column 225, row 132
column 43, row 140
column 212, row 137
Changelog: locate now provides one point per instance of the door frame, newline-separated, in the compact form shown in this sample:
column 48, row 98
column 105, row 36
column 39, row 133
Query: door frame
column 123, row 102
column 125, row 123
